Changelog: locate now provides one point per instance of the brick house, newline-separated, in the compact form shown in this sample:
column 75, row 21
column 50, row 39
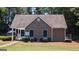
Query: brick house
column 40, row 26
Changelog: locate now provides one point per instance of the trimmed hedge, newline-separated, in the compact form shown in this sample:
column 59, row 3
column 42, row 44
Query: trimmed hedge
column 29, row 39
column 47, row 40
column 33, row 40
column 68, row 41
column 25, row 39
column 6, row 38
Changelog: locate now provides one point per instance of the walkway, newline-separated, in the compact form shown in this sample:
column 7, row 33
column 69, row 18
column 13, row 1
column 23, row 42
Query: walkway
column 11, row 43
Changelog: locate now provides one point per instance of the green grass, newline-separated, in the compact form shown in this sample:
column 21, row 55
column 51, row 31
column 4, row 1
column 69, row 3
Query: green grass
column 38, row 47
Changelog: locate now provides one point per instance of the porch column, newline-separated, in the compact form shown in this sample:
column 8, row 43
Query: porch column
column 15, row 32
column 20, row 32
column 12, row 34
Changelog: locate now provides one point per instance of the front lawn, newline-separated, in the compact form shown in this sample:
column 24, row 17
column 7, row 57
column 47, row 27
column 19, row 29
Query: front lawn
column 36, row 46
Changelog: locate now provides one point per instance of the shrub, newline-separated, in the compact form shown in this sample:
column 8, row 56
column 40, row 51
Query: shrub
column 45, row 39
column 49, row 39
column 25, row 39
column 6, row 38
column 33, row 39
column 68, row 41
column 41, row 39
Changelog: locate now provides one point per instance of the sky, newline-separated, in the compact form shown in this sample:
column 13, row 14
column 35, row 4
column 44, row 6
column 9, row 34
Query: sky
column 39, row 3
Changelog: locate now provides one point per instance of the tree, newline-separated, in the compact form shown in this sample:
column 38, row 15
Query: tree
column 43, row 10
column 31, row 10
column 76, row 13
column 3, row 25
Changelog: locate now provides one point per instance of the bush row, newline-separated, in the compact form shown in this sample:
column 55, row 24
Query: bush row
column 35, row 40
column 29, row 39
column 6, row 38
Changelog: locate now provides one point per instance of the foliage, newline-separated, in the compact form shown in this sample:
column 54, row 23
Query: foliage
column 6, row 38
column 20, row 10
column 3, row 12
column 25, row 39
column 3, row 28
column 33, row 39
column 3, row 25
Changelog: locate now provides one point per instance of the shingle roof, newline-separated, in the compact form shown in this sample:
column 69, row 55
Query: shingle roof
column 54, row 21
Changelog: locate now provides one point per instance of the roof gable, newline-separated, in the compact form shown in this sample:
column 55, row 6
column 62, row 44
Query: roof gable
column 37, row 23
column 54, row 21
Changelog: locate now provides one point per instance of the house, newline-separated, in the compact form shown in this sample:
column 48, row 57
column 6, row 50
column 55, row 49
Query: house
column 40, row 26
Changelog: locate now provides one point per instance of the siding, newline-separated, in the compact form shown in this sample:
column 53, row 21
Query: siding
column 38, row 27
column 58, row 34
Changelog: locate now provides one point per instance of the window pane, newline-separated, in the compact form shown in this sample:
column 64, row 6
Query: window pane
column 27, row 33
column 45, row 33
column 31, row 33
column 22, row 32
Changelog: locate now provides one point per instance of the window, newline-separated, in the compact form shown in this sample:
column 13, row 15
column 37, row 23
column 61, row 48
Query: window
column 44, row 33
column 27, row 33
column 31, row 33
column 22, row 32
